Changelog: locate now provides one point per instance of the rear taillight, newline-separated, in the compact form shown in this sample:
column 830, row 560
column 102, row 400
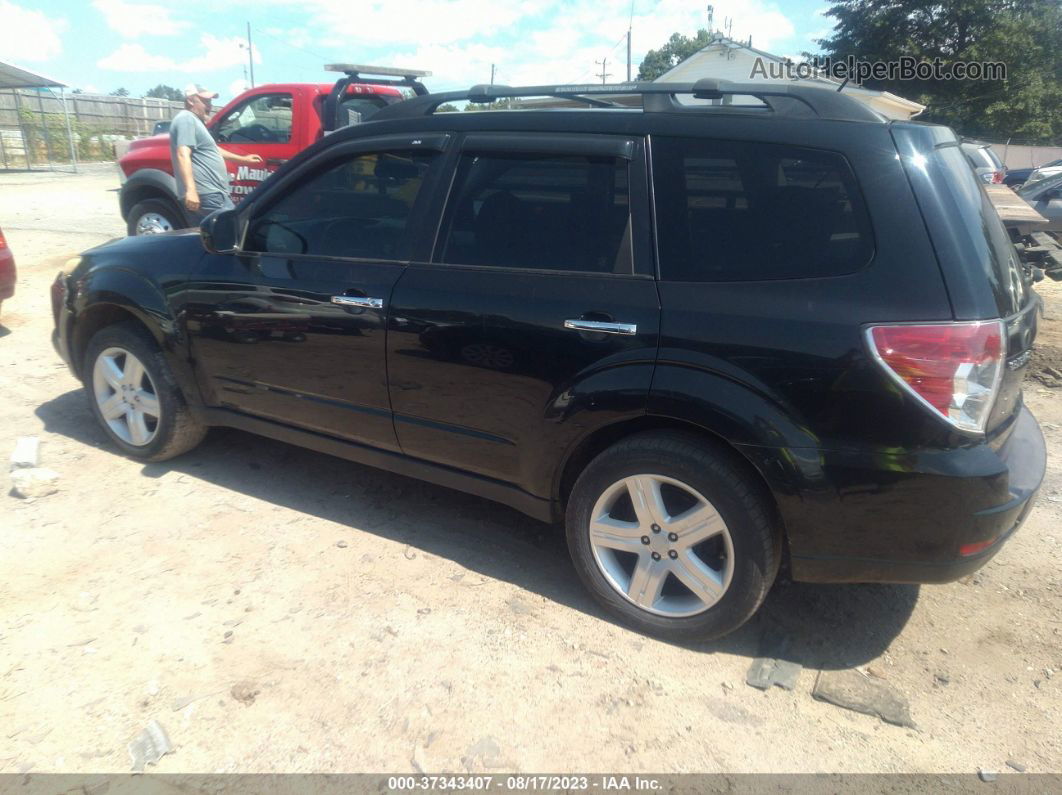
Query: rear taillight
column 3, row 243
column 997, row 177
column 954, row 369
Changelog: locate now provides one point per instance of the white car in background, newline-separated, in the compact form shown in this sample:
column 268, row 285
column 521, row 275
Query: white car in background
column 1043, row 172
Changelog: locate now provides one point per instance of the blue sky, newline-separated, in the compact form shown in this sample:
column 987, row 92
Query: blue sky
column 99, row 45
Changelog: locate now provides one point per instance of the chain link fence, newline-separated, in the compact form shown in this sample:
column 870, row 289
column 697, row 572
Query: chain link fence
column 43, row 129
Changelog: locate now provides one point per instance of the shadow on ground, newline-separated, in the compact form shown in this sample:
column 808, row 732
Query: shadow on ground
column 826, row 626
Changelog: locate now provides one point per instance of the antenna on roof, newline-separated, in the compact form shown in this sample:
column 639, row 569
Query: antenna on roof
column 842, row 85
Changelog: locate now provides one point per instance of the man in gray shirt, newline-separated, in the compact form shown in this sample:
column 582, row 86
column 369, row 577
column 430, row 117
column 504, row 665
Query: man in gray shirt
column 198, row 162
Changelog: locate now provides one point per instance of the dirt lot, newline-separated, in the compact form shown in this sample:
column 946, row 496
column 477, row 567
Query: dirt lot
column 279, row 610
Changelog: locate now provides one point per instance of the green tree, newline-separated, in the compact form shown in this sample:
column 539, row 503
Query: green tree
column 446, row 107
column 677, row 49
column 1026, row 35
column 163, row 91
column 120, row 92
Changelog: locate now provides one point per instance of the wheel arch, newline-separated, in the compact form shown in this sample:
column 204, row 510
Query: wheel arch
column 764, row 468
column 116, row 295
column 148, row 183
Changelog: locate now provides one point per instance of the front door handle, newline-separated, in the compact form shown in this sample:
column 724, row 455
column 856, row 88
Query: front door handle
column 358, row 300
column 602, row 327
column 276, row 161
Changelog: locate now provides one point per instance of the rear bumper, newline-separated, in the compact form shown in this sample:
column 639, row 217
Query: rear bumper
column 907, row 517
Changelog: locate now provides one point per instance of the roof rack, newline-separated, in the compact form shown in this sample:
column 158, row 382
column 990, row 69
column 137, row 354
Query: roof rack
column 372, row 75
column 784, row 99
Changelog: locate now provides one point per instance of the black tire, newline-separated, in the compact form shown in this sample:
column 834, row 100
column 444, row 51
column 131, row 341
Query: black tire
column 731, row 490
column 176, row 431
column 161, row 207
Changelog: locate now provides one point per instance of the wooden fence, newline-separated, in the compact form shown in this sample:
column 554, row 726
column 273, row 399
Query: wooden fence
column 34, row 131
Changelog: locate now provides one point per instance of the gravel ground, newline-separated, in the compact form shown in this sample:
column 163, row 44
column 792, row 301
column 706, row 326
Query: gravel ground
column 278, row 610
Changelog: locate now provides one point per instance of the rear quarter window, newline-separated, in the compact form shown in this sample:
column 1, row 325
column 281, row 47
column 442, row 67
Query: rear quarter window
column 740, row 211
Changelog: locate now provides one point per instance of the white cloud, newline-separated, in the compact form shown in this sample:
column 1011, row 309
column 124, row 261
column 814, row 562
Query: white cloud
column 134, row 58
column 415, row 21
column 133, row 20
column 27, row 35
column 237, row 87
column 215, row 54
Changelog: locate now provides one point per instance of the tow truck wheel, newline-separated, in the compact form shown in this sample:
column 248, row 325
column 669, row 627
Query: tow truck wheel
column 153, row 217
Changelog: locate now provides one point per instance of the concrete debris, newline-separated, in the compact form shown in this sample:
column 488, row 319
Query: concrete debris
column 853, row 690
column 767, row 671
column 150, row 746
column 30, row 482
column 27, row 453
column 244, row 692
column 1016, row 766
column 986, row 775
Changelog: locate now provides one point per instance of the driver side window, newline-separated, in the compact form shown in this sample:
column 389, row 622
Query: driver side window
column 263, row 119
column 356, row 207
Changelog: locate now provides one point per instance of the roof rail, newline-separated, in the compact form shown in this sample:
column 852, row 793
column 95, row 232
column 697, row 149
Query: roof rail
column 784, row 99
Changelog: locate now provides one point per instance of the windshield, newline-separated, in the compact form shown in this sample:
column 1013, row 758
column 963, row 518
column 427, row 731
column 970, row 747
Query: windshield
column 1044, row 183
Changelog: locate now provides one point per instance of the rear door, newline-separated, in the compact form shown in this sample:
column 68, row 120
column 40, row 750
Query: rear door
column 535, row 318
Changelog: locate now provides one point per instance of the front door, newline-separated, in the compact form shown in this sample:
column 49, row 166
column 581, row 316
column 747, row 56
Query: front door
column 260, row 125
column 292, row 329
column 531, row 324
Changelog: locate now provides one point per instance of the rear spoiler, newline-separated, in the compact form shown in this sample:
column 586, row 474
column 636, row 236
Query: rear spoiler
column 371, row 75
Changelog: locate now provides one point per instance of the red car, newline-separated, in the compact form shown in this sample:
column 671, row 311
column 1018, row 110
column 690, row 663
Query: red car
column 7, row 270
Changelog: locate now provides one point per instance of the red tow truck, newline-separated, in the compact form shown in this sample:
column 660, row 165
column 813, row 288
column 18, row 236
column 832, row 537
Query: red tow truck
column 276, row 121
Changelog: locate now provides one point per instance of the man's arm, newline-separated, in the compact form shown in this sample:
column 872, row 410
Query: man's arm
column 247, row 160
column 184, row 167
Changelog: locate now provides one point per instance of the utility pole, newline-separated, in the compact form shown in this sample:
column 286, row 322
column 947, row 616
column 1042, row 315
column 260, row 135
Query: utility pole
column 628, row 55
column 492, row 74
column 250, row 53
column 603, row 74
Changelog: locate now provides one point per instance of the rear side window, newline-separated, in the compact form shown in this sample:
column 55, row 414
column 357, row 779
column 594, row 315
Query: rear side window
column 737, row 211
column 541, row 212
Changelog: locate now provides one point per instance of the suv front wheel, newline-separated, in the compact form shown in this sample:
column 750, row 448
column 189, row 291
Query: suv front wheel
column 672, row 537
column 134, row 397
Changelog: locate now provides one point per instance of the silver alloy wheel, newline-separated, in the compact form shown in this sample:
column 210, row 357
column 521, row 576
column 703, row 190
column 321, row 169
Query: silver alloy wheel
column 669, row 564
column 126, row 396
column 153, row 224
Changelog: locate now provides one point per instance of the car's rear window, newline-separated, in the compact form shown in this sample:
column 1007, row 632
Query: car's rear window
column 962, row 221
column 742, row 211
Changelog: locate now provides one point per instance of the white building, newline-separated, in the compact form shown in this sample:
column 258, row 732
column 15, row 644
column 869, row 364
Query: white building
column 726, row 59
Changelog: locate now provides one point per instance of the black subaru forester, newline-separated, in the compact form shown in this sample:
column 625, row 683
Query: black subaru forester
column 705, row 326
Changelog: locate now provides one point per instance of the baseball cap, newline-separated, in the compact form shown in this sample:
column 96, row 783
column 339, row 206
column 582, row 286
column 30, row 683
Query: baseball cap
column 193, row 89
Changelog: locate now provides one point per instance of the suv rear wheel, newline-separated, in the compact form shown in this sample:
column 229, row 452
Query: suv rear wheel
column 153, row 217
column 134, row 396
column 672, row 538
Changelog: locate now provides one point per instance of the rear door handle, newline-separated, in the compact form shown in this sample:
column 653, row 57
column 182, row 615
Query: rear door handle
column 358, row 300
column 602, row 327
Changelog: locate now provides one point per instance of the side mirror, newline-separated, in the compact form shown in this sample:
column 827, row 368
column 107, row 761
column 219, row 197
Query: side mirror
column 220, row 232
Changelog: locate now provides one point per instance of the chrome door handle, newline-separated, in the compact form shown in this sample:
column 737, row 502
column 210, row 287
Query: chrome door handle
column 357, row 300
column 601, row 327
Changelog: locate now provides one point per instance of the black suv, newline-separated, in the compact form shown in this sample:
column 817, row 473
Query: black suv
column 707, row 326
